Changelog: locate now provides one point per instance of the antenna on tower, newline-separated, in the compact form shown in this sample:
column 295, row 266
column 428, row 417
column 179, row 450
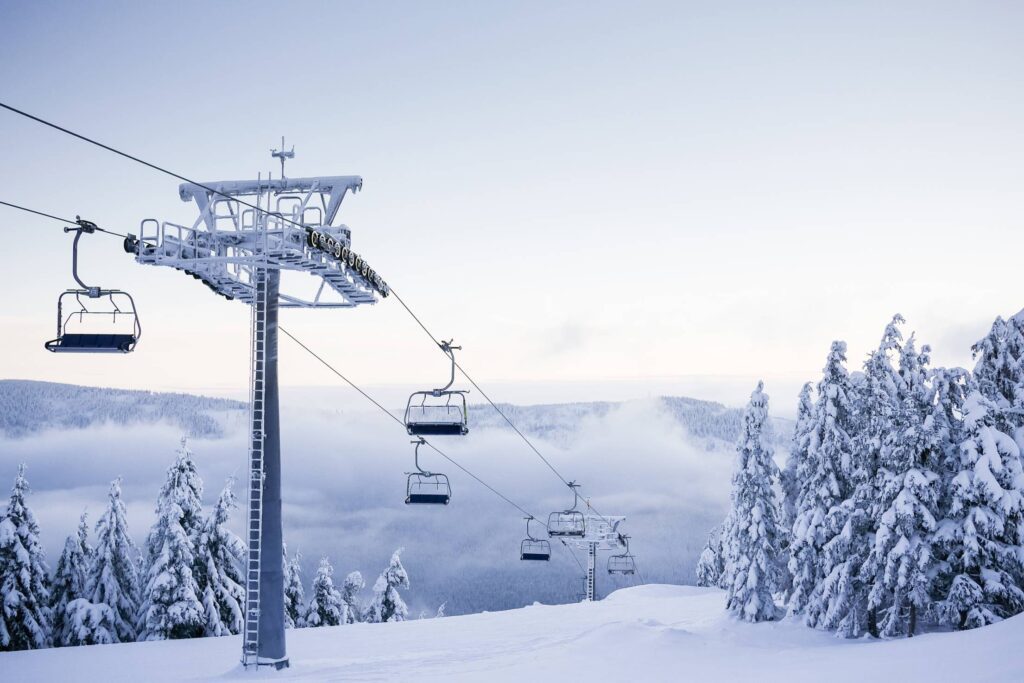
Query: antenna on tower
column 282, row 155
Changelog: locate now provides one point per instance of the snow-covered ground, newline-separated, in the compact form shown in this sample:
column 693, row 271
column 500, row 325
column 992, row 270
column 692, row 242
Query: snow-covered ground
column 648, row 633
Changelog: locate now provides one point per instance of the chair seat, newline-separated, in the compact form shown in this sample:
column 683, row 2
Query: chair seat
column 536, row 556
column 437, row 428
column 427, row 498
column 92, row 343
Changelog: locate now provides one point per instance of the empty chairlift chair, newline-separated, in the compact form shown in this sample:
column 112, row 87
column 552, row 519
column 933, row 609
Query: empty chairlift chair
column 534, row 549
column 438, row 412
column 623, row 563
column 426, row 488
column 92, row 319
column 569, row 522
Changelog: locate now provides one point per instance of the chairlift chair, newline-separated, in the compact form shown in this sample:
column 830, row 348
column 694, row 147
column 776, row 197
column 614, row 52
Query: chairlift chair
column 569, row 522
column 426, row 488
column 623, row 563
column 438, row 412
column 103, row 320
column 534, row 549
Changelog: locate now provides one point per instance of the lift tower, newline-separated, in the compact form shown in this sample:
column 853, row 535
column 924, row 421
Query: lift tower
column 602, row 533
column 250, row 233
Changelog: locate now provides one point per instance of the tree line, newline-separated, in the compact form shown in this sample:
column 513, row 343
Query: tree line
column 901, row 502
column 187, row 580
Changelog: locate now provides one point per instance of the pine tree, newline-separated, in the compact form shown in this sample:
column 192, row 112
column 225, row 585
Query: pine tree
column 440, row 610
column 220, row 558
column 326, row 608
column 170, row 605
column 902, row 559
column 999, row 370
column 113, row 575
column 825, row 482
column 350, row 595
column 980, row 534
column 796, row 462
column 71, row 578
column 753, row 544
column 24, row 611
column 387, row 604
column 840, row 600
column 711, row 564
column 88, row 624
column 294, row 598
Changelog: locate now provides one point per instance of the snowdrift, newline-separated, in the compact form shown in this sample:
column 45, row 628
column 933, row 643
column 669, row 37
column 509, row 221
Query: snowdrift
column 648, row 633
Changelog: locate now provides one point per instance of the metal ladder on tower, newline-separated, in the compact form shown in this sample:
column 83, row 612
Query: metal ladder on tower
column 258, row 341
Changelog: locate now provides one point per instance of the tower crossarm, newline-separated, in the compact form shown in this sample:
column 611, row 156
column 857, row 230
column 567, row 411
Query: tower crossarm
column 284, row 224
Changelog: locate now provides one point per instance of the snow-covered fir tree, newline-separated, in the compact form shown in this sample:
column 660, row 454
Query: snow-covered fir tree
column 70, row 580
column 826, row 481
column 24, row 576
column 440, row 610
column 981, row 531
column 999, row 370
column 752, row 545
column 220, row 557
column 326, row 608
column 171, row 607
column 902, row 560
column 840, row 601
column 294, row 596
column 796, row 460
column 88, row 624
column 113, row 576
column 350, row 588
column 711, row 563
column 387, row 604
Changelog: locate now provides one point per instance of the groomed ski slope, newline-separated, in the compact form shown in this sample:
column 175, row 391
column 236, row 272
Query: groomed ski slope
column 648, row 633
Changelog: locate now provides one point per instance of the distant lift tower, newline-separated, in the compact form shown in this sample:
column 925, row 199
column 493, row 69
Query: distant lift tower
column 602, row 533
column 247, row 235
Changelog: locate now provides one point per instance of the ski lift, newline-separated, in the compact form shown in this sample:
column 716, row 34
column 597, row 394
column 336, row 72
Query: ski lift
column 426, row 488
column 101, row 321
column 623, row 563
column 534, row 548
column 438, row 412
column 569, row 522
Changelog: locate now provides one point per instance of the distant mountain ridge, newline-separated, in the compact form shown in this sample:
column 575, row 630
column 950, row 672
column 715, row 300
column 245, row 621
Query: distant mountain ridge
column 28, row 407
column 714, row 423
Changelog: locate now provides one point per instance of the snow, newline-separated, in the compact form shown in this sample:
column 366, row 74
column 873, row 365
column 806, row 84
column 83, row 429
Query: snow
column 647, row 633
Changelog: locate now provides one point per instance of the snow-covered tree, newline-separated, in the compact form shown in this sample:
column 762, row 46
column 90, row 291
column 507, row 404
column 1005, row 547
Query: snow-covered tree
column 711, row 563
column 24, row 593
column 294, row 596
column 902, row 559
column 440, row 610
column 980, row 533
column 70, row 580
column 840, row 600
column 826, row 480
column 113, row 574
column 752, row 545
column 796, row 461
column 326, row 608
column 170, row 600
column 999, row 370
column 387, row 604
column 350, row 595
column 86, row 623
column 220, row 558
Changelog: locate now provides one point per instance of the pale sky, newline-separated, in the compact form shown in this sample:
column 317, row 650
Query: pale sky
column 577, row 192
